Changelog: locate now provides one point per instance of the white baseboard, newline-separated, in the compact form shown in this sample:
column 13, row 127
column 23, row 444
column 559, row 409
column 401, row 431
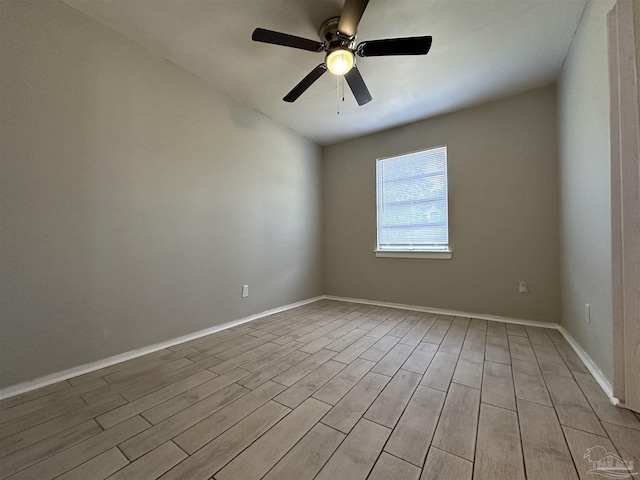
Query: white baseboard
column 440, row 311
column 106, row 362
column 586, row 359
column 597, row 374
column 90, row 367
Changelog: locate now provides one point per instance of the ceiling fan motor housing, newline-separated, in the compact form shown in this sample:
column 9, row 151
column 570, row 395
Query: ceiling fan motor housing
column 331, row 38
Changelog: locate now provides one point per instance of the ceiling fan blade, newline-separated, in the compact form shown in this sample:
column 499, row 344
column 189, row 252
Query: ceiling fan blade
column 395, row 46
column 350, row 16
column 286, row 40
column 305, row 83
column 357, row 86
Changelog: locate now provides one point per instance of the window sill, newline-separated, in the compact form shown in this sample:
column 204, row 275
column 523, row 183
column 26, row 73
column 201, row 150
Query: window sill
column 436, row 255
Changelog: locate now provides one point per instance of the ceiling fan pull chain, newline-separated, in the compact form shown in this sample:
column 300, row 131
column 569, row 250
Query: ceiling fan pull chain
column 339, row 92
column 337, row 95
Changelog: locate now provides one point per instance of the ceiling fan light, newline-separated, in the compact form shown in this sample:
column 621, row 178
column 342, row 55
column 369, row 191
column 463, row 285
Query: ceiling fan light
column 340, row 61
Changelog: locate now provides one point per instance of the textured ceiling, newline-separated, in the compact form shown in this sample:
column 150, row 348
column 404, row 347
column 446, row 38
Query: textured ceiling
column 482, row 50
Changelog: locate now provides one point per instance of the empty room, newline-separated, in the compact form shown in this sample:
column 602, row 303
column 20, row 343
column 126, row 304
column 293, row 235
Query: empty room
column 332, row 239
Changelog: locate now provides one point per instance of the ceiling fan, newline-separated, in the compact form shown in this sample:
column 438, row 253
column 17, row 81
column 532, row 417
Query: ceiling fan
column 338, row 35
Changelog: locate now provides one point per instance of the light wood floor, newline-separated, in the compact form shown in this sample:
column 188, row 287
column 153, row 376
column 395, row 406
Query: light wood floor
column 331, row 391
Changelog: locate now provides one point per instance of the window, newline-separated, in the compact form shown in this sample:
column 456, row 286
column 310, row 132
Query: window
column 412, row 205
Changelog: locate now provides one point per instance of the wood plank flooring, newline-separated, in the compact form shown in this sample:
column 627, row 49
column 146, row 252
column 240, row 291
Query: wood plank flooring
column 331, row 390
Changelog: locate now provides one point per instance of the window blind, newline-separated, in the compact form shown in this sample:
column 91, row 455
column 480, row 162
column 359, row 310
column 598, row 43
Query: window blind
column 412, row 201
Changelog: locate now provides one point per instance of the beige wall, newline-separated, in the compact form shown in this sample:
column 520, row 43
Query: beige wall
column 503, row 200
column 585, row 200
column 135, row 200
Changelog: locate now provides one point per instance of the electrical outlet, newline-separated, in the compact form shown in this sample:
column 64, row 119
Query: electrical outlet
column 587, row 312
column 523, row 287
column 245, row 291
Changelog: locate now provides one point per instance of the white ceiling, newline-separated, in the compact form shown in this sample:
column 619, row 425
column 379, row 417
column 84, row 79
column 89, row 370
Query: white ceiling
column 482, row 50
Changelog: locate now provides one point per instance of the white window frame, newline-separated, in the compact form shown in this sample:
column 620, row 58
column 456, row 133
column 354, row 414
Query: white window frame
column 441, row 252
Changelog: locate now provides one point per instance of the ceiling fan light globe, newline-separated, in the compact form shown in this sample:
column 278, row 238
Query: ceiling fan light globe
column 340, row 61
